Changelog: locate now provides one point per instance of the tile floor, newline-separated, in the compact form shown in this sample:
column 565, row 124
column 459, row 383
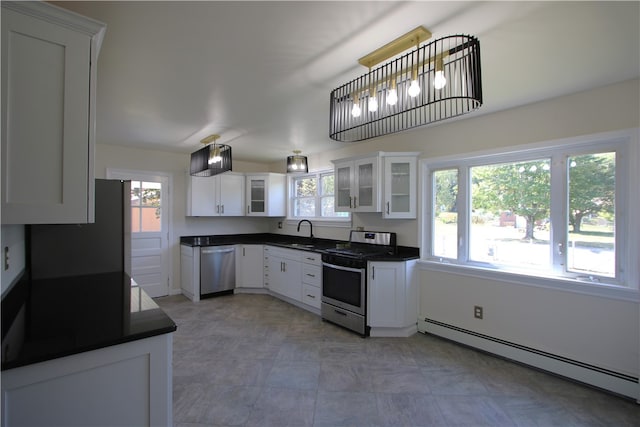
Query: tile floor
column 253, row 360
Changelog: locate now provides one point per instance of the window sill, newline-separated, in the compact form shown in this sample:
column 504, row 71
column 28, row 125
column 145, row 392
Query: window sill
column 549, row 282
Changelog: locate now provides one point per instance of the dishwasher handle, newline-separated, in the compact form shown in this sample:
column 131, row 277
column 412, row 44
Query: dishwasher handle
column 216, row 251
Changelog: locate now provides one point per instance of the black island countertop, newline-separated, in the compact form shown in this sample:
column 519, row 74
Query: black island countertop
column 402, row 253
column 51, row 318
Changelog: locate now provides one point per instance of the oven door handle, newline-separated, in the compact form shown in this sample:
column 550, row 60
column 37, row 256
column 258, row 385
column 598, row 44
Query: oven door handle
column 339, row 267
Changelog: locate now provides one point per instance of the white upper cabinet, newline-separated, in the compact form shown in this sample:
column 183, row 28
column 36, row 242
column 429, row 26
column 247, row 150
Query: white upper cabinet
column 377, row 182
column 357, row 184
column 399, row 189
column 219, row 195
column 266, row 194
column 49, row 59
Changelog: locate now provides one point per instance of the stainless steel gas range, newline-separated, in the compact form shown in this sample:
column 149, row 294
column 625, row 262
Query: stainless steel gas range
column 344, row 278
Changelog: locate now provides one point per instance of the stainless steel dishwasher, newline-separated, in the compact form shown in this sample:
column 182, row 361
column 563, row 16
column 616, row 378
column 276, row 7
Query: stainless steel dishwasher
column 217, row 270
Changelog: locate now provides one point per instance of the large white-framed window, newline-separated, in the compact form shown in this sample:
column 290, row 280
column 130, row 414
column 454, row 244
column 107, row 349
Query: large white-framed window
column 559, row 209
column 311, row 196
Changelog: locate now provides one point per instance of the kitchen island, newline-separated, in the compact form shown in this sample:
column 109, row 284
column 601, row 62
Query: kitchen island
column 85, row 350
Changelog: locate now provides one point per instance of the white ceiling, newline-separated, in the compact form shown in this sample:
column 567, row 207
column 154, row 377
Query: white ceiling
column 260, row 73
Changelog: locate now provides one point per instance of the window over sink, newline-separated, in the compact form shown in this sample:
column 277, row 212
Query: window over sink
column 311, row 196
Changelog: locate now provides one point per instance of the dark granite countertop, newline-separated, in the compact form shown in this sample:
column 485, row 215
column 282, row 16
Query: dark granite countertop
column 403, row 253
column 53, row 318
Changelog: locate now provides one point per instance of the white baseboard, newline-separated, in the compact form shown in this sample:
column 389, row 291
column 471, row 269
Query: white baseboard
column 615, row 382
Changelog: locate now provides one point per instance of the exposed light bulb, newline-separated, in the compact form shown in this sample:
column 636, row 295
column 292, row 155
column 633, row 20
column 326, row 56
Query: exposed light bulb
column 414, row 89
column 373, row 104
column 355, row 111
column 215, row 155
column 439, row 80
column 392, row 97
column 373, row 91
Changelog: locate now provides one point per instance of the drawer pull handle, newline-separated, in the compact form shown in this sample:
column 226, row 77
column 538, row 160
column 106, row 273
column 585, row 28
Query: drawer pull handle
column 342, row 313
column 311, row 275
column 311, row 296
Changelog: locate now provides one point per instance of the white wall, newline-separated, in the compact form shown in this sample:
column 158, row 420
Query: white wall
column 599, row 331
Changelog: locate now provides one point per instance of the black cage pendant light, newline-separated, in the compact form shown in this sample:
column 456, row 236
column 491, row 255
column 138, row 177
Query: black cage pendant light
column 297, row 163
column 212, row 159
column 433, row 82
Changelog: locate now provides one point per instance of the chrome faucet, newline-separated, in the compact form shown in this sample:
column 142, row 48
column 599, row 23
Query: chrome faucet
column 310, row 227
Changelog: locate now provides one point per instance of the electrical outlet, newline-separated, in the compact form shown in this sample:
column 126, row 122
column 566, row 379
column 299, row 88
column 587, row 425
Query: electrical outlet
column 6, row 258
column 477, row 312
column 279, row 224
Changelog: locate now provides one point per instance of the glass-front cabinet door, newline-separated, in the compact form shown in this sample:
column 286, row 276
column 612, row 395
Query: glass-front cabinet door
column 265, row 194
column 399, row 187
column 343, row 180
column 357, row 185
column 366, row 185
column 257, row 196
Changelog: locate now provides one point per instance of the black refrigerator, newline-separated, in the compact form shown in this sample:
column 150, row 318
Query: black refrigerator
column 64, row 250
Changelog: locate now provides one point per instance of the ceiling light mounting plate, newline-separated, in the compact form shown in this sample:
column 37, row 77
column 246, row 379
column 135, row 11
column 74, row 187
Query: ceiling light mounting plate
column 399, row 45
column 209, row 139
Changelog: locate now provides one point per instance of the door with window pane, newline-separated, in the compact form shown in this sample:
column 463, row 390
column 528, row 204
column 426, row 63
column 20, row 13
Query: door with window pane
column 149, row 231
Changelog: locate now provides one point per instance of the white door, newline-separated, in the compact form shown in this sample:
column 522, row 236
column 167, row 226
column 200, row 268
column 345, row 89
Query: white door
column 150, row 259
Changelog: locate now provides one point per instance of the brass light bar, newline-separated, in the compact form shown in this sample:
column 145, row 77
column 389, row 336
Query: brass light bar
column 402, row 43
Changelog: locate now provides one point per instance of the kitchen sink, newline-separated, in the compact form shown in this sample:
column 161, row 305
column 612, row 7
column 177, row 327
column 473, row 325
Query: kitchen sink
column 300, row 245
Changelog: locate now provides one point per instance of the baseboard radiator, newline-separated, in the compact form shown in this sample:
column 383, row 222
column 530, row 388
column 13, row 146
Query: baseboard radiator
column 606, row 379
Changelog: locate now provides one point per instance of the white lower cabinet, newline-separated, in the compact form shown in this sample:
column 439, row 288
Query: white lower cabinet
column 295, row 275
column 190, row 272
column 249, row 266
column 392, row 297
column 128, row 384
column 311, row 295
column 311, row 279
column 285, row 270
